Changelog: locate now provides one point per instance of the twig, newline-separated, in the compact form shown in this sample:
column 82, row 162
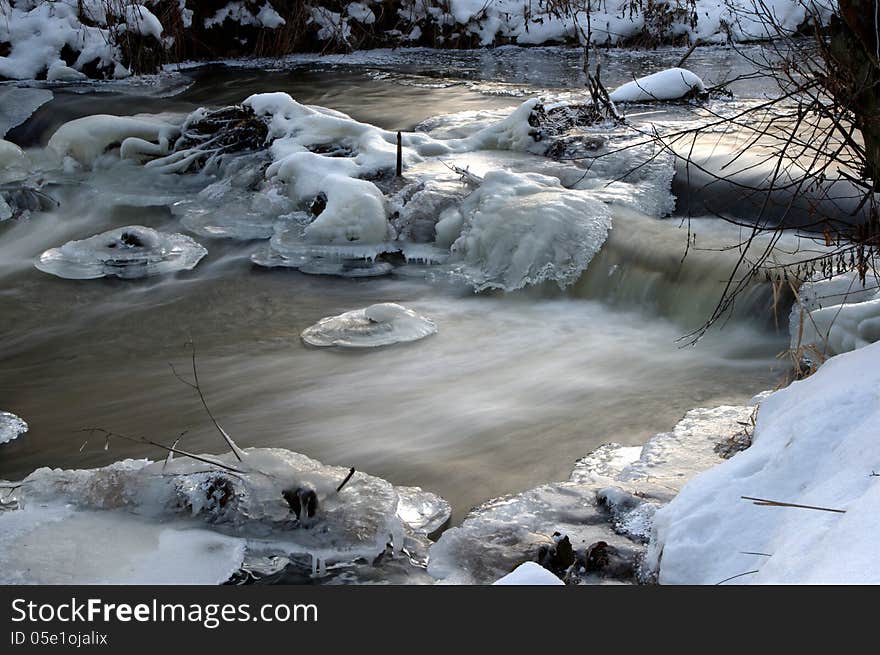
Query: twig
column 734, row 577
column 775, row 503
column 347, row 478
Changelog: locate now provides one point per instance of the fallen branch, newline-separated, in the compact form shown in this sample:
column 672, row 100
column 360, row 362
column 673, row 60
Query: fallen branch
column 775, row 503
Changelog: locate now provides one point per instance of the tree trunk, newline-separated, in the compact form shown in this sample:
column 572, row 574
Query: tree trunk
column 855, row 79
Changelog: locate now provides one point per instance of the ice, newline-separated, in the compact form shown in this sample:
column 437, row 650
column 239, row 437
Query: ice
column 85, row 139
column 127, row 252
column 377, row 325
column 53, row 544
column 185, row 520
column 670, row 84
column 14, row 164
column 835, row 315
column 611, row 496
column 11, row 427
column 18, row 104
column 529, row 573
column 522, row 229
column 814, row 444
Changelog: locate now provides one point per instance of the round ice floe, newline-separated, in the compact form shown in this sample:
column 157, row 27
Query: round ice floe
column 376, row 325
column 126, row 252
column 11, row 427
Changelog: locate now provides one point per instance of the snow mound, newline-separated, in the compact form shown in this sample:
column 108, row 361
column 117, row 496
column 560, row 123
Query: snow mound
column 377, row 325
column 127, row 252
column 836, row 315
column 209, row 517
column 814, row 444
column 85, row 139
column 524, row 229
column 11, row 427
column 611, row 496
column 670, row 84
column 529, row 573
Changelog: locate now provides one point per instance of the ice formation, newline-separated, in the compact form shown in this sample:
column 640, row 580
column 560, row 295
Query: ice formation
column 211, row 518
column 85, row 139
column 814, row 444
column 127, row 252
column 18, row 104
column 377, row 325
column 519, row 230
column 11, row 427
column 611, row 496
column 670, row 84
column 836, row 315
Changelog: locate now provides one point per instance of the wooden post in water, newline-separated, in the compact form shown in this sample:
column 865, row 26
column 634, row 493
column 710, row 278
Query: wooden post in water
column 399, row 154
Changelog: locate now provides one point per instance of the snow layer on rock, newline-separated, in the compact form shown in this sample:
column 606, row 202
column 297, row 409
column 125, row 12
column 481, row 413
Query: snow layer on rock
column 611, row 496
column 382, row 324
column 18, row 104
column 208, row 517
column 670, row 84
column 836, row 315
column 127, row 252
column 14, row 164
column 529, row 573
column 518, row 230
column 11, row 427
column 815, row 444
column 85, row 139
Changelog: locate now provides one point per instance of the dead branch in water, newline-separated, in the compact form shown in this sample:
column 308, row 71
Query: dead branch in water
column 195, row 385
column 171, row 449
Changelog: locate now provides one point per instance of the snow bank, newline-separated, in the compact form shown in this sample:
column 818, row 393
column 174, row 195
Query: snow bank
column 611, row 497
column 40, row 34
column 377, row 325
column 815, row 444
column 11, row 427
column 188, row 521
column 669, row 84
column 836, row 315
column 126, row 252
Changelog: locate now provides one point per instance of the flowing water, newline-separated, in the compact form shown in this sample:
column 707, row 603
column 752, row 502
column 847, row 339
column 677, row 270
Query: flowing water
column 510, row 392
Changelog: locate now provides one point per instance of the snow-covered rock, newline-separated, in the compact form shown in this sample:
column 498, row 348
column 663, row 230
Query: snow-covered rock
column 377, row 325
column 529, row 573
column 815, row 444
column 835, row 315
column 669, row 84
column 11, row 427
column 127, row 252
column 85, row 139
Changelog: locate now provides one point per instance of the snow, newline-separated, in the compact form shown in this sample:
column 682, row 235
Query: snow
column 140, row 20
column 85, row 139
column 529, row 573
column 519, row 230
column 835, row 315
column 19, row 104
column 377, row 325
column 183, row 521
column 11, row 427
column 269, row 18
column 814, row 444
column 127, row 252
column 669, row 84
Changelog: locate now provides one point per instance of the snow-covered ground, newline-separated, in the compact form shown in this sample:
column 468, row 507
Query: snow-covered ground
column 815, row 444
column 66, row 40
